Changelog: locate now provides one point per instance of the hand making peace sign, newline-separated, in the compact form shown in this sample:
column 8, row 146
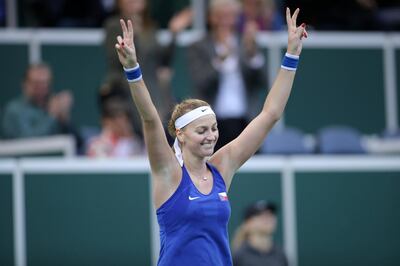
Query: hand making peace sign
column 125, row 46
column 295, row 34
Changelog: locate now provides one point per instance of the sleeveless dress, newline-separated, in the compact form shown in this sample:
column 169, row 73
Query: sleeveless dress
column 194, row 226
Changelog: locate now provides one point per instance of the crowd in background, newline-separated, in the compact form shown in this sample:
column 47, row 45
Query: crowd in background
column 235, row 74
column 227, row 68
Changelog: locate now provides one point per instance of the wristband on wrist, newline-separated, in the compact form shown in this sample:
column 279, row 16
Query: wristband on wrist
column 290, row 62
column 133, row 74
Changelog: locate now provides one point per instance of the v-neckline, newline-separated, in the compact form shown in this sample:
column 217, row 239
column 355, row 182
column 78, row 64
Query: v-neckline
column 197, row 189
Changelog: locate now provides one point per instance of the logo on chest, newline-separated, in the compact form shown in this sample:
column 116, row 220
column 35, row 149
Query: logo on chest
column 223, row 196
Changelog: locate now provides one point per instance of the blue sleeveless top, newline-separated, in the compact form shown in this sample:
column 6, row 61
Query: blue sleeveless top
column 194, row 226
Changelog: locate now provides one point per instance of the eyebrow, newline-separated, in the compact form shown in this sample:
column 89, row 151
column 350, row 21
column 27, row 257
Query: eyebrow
column 201, row 127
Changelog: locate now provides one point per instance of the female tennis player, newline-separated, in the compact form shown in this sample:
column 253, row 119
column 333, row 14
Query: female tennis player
column 190, row 181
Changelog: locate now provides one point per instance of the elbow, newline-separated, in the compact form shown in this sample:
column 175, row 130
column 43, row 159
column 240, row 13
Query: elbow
column 273, row 114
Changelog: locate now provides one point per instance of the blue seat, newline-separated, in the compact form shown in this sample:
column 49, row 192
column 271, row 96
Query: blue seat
column 286, row 141
column 339, row 140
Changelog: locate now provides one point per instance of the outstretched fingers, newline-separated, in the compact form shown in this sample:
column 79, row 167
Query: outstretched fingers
column 130, row 30
column 288, row 18
column 294, row 17
column 124, row 29
column 291, row 20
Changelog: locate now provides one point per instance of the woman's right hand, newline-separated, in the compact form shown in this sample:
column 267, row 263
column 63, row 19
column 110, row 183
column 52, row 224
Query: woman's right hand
column 125, row 46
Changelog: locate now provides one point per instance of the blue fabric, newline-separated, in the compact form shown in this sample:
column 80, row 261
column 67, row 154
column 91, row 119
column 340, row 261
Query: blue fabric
column 340, row 140
column 194, row 226
column 290, row 62
column 134, row 74
column 285, row 141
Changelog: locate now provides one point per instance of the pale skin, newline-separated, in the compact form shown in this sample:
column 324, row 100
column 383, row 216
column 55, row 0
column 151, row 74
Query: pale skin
column 198, row 138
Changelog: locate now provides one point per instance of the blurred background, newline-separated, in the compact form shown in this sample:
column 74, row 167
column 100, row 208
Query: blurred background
column 74, row 178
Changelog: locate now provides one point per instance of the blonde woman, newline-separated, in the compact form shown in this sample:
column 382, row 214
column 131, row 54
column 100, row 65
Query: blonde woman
column 190, row 184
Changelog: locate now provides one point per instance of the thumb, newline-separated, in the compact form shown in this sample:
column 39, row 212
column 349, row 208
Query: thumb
column 120, row 50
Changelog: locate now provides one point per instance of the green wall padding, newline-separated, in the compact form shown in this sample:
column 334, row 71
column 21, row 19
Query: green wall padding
column 338, row 86
column 80, row 69
column 348, row 219
column 247, row 188
column 88, row 219
column 12, row 68
column 181, row 84
column 332, row 86
column 6, row 221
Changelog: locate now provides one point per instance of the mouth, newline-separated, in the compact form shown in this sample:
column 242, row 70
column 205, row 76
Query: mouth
column 208, row 145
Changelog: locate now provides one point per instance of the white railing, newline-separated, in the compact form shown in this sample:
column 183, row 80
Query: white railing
column 63, row 144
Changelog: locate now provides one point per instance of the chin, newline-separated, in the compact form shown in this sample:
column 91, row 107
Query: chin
column 208, row 151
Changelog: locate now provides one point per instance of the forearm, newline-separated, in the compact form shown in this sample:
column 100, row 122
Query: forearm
column 279, row 94
column 143, row 102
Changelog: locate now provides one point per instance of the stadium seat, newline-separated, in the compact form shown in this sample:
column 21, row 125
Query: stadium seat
column 339, row 140
column 286, row 141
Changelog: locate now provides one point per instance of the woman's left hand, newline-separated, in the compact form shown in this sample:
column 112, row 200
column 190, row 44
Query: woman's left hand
column 295, row 34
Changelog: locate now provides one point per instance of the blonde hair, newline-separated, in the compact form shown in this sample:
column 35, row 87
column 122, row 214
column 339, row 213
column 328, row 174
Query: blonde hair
column 181, row 109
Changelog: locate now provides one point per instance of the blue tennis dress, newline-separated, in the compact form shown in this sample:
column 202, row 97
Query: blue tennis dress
column 194, row 226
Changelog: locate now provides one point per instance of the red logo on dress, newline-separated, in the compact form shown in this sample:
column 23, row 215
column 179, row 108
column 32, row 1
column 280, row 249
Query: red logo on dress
column 223, row 196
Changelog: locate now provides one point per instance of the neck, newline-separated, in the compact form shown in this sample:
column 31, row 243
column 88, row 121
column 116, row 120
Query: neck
column 196, row 166
column 260, row 242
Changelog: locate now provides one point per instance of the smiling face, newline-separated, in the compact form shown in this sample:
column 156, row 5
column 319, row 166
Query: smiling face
column 200, row 136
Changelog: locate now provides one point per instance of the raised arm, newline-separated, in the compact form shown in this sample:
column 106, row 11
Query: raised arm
column 230, row 157
column 160, row 154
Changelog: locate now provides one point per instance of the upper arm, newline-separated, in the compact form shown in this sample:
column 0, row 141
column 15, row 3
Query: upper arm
column 160, row 154
column 161, row 157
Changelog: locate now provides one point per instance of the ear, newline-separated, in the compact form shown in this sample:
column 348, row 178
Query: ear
column 180, row 135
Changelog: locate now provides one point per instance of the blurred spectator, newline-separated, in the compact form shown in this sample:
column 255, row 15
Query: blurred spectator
column 38, row 112
column 155, row 59
column 253, row 242
column 228, row 71
column 263, row 12
column 117, row 138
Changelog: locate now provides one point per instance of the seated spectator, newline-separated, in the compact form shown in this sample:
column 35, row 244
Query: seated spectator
column 253, row 242
column 117, row 138
column 38, row 112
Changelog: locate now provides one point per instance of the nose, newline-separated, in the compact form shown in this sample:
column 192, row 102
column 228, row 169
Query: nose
column 212, row 136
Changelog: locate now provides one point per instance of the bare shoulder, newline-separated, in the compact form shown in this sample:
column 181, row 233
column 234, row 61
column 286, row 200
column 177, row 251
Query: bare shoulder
column 220, row 160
